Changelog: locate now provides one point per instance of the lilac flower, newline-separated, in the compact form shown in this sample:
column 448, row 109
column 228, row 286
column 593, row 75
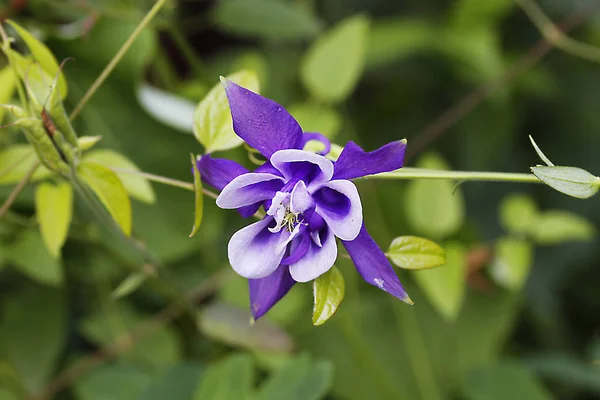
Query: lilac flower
column 309, row 202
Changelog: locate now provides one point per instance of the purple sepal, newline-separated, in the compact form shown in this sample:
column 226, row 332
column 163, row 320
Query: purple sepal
column 265, row 292
column 262, row 123
column 354, row 162
column 218, row 172
column 372, row 264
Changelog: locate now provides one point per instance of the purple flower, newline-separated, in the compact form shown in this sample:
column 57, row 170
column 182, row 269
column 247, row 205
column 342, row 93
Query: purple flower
column 310, row 201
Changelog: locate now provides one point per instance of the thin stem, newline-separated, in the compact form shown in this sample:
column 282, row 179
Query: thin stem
column 418, row 173
column 555, row 36
column 18, row 189
column 186, row 50
column 117, row 58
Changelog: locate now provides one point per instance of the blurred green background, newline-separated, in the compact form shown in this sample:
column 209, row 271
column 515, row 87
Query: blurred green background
column 514, row 314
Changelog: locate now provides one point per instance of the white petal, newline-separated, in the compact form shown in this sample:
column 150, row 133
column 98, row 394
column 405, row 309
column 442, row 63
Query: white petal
column 316, row 261
column 300, row 200
column 254, row 252
column 248, row 189
column 284, row 159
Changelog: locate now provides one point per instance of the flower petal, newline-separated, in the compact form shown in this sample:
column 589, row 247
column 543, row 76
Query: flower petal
column 308, row 136
column 266, row 292
column 372, row 264
column 262, row 123
column 218, row 172
column 255, row 252
column 317, row 260
column 300, row 200
column 339, row 204
column 354, row 162
column 248, row 189
column 312, row 168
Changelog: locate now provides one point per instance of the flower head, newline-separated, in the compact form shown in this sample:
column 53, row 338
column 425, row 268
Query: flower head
column 309, row 201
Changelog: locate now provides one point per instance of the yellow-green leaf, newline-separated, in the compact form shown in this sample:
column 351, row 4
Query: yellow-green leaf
column 199, row 201
column 518, row 213
column 411, row 252
column 213, row 126
column 129, row 285
column 555, row 226
column 16, row 161
column 445, row 286
column 513, row 261
column 87, row 142
column 38, row 80
column 434, row 208
column 7, row 87
column 110, row 190
column 572, row 181
column 42, row 55
column 54, row 209
column 137, row 186
column 334, row 64
column 328, row 292
column 30, row 256
column 317, row 118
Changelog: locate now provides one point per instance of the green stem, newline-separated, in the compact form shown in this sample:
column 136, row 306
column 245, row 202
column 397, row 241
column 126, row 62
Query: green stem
column 186, row 50
column 18, row 189
column 416, row 348
column 419, row 173
column 117, row 58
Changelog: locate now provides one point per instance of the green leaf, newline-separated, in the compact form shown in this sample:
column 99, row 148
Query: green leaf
column 114, row 382
column 137, row 186
column 15, row 163
column 554, row 227
column 334, row 63
column 43, row 56
column 199, row 198
column 230, row 379
column 572, row 181
column 411, row 252
column 6, row 395
column 213, row 126
column 37, row 80
column 328, row 292
column 539, row 152
column 33, row 334
column 31, row 256
column 317, row 118
column 397, row 38
column 514, row 258
column 505, row 380
column 87, row 142
column 300, row 379
column 567, row 370
column 434, row 207
column 110, row 190
column 7, row 88
column 470, row 13
column 160, row 349
column 177, row 383
column 266, row 19
column 231, row 325
column 445, row 286
column 54, row 209
column 129, row 285
column 518, row 213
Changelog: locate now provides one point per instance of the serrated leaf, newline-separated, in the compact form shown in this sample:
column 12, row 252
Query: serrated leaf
column 230, row 379
column 317, row 118
column 213, row 126
column 54, row 209
column 87, row 142
column 110, row 190
column 434, row 207
column 554, row 227
column 328, row 293
column 445, row 286
column 8, row 86
column 539, row 152
column 129, row 285
column 411, row 252
column 199, row 198
column 299, row 379
column 15, row 163
column 33, row 333
column 514, row 258
column 518, row 213
column 137, row 186
column 266, row 19
column 572, row 181
column 30, row 256
column 43, row 56
column 334, row 63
